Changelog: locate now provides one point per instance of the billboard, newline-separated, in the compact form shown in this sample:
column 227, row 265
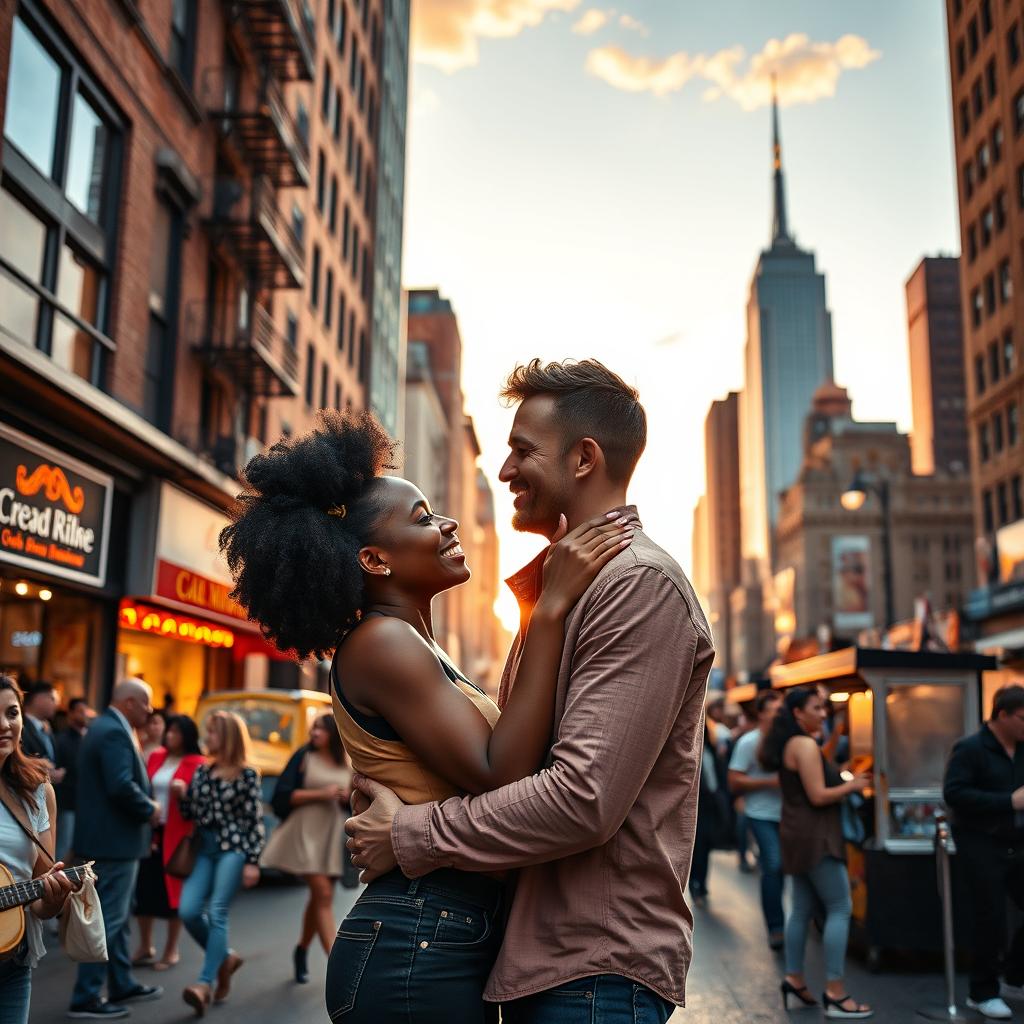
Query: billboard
column 851, row 583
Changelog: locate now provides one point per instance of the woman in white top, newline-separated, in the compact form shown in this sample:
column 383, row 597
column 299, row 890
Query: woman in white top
column 24, row 781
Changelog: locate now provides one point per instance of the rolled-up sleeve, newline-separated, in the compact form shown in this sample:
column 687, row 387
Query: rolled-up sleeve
column 630, row 677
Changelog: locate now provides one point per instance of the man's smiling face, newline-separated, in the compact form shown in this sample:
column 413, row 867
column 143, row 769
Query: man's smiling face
column 537, row 469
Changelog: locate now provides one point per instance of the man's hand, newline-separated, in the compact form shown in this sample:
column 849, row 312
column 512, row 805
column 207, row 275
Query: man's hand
column 370, row 831
column 250, row 875
column 154, row 818
column 1017, row 799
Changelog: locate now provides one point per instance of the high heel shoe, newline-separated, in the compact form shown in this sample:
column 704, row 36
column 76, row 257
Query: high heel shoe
column 803, row 994
column 301, row 963
column 835, row 1010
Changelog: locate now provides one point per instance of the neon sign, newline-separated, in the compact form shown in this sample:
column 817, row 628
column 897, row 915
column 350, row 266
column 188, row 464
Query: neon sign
column 147, row 619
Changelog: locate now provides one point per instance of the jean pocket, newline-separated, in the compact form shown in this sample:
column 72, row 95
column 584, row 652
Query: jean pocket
column 649, row 1007
column 457, row 928
column 352, row 948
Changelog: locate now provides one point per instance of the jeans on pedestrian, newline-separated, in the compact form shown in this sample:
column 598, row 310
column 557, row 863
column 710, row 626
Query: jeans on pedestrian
column 992, row 872
column 607, row 998
column 828, row 882
column 417, row 951
column 65, row 834
column 206, row 897
column 15, row 991
column 769, row 857
column 115, row 886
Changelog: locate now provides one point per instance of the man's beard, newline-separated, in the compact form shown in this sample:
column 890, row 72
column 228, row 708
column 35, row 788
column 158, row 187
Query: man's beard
column 539, row 515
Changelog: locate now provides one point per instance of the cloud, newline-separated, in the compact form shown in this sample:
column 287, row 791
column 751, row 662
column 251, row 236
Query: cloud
column 446, row 33
column 592, row 20
column 424, row 102
column 627, row 21
column 807, row 71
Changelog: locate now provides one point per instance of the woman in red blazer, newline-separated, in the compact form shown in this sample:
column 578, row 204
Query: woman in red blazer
column 157, row 893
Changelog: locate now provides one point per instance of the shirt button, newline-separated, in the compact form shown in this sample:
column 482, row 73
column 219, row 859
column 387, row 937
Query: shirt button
column 423, row 945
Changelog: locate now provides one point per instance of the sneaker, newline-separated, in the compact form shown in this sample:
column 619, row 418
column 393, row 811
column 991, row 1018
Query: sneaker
column 97, row 1009
column 139, row 994
column 1008, row 991
column 994, row 1008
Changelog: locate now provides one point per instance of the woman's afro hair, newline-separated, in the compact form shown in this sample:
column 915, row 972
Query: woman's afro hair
column 295, row 565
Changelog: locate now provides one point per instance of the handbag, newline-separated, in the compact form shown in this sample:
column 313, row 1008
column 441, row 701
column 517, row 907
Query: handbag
column 82, row 932
column 183, row 860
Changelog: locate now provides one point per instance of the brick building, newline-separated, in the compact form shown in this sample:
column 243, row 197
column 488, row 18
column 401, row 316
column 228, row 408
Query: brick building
column 186, row 246
column 986, row 55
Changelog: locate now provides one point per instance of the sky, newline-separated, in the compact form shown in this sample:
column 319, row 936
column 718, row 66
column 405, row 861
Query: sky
column 595, row 180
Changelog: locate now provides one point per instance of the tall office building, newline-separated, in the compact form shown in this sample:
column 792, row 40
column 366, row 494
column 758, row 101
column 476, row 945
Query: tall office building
column 387, row 355
column 938, row 440
column 986, row 57
column 788, row 355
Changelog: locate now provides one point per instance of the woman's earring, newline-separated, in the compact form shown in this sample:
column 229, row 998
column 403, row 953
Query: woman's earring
column 387, row 570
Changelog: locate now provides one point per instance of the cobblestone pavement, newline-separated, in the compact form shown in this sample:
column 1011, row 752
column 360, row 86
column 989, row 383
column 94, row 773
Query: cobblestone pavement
column 734, row 978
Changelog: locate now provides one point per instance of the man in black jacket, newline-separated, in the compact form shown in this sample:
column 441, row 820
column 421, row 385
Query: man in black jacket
column 984, row 788
column 66, row 745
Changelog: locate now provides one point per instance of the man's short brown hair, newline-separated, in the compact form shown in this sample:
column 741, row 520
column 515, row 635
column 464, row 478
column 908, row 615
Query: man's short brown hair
column 591, row 401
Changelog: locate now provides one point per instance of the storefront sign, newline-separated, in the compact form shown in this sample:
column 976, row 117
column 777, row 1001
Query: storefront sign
column 851, row 584
column 1010, row 548
column 188, row 568
column 54, row 511
column 147, row 619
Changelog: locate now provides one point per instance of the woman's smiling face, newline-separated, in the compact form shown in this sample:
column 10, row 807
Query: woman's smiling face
column 10, row 723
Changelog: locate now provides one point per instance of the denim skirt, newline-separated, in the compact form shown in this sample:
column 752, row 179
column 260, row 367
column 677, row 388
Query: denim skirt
column 417, row 952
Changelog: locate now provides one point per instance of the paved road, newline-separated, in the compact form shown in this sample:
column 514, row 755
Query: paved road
column 733, row 980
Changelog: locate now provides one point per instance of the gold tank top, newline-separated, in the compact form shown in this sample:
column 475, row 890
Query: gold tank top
column 390, row 761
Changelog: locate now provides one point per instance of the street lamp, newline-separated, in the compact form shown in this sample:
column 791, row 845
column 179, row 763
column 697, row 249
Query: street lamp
column 852, row 499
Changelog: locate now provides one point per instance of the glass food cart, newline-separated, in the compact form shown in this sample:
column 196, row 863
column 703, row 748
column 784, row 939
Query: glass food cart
column 905, row 710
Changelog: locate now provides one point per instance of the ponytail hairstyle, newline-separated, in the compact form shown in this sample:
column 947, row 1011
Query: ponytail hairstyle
column 293, row 546
column 22, row 773
column 784, row 728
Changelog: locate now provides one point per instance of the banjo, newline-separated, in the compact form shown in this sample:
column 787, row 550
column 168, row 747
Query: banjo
column 14, row 896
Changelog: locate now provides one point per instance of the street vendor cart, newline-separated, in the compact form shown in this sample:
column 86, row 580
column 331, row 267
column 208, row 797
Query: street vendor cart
column 905, row 710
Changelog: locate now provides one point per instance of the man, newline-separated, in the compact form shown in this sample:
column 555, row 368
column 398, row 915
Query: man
column 603, row 835
column 984, row 789
column 113, row 827
column 37, row 731
column 763, row 800
column 67, row 745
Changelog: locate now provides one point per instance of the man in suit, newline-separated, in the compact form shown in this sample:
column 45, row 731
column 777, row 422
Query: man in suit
column 67, row 744
column 113, row 828
column 37, row 733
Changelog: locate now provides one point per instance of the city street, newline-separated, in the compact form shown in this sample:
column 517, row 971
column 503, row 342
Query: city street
column 734, row 979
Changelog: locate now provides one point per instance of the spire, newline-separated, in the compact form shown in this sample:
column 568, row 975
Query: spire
column 780, row 226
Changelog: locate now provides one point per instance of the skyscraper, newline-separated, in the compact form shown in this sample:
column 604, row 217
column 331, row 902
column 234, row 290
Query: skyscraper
column 788, row 355
column 935, row 336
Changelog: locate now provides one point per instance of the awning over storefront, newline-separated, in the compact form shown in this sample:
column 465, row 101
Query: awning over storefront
column 1009, row 640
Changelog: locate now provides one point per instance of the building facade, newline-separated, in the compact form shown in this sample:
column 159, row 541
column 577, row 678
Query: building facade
column 938, row 439
column 831, row 568
column 986, row 58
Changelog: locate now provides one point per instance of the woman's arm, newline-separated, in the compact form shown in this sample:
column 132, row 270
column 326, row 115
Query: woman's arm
column 56, row 885
column 404, row 683
column 807, row 755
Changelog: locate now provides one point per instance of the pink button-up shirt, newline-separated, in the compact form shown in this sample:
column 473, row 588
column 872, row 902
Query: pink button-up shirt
column 603, row 835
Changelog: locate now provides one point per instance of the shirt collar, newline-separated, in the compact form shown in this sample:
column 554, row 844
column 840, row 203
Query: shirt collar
column 37, row 722
column 526, row 584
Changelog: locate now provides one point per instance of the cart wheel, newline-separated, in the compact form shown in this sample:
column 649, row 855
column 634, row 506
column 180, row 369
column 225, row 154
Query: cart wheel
column 874, row 959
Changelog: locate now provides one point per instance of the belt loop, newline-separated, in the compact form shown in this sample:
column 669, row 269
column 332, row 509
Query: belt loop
column 413, row 887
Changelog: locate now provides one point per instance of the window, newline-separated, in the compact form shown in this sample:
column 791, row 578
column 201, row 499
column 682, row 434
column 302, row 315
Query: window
column 336, row 125
column 351, row 337
column 362, row 84
column 355, row 252
column 302, row 121
column 1020, row 186
column 991, row 85
column 353, row 61
column 1018, row 113
column 1012, row 424
column 164, row 274
column 183, row 39
column 291, row 329
column 979, row 374
column 366, row 272
column 1000, row 208
column 346, row 230
column 339, row 28
column 965, row 119
column 368, row 194
column 1002, row 500
column 969, row 179
column 986, row 227
column 329, row 298
column 325, row 94
column 1005, row 282
column 1018, row 498
column 310, row 372
column 349, row 145
column 958, row 8
column 321, row 183
column 298, row 222
column 1009, row 354
column 984, row 448
column 323, row 385
column 994, row 363
column 314, row 279
column 364, row 357
column 997, row 432
column 972, row 37
column 337, row 395
column 977, row 98
column 986, row 17
column 990, row 294
column 341, row 321
column 332, row 206
column 997, row 143
column 987, row 516
column 983, row 161
column 332, row 13
column 359, row 168
column 58, row 204
column 1013, row 44
column 972, row 243
column 976, row 307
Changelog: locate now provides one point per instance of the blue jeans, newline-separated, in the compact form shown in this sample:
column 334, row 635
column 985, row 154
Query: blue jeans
column 417, row 951
column 600, row 999
column 829, row 882
column 206, row 897
column 115, row 886
column 769, row 857
column 15, row 991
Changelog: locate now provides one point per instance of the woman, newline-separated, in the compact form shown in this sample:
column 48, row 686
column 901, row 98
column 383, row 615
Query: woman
column 314, row 790
column 24, row 784
column 157, row 894
column 224, row 801
column 712, row 812
column 813, row 851
column 151, row 735
column 356, row 559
